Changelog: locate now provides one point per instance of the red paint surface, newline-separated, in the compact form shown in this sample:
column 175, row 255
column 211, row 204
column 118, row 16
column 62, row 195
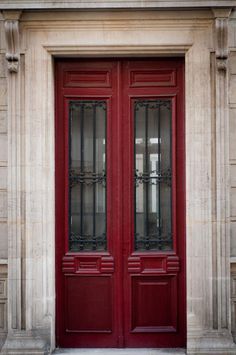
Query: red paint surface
column 109, row 299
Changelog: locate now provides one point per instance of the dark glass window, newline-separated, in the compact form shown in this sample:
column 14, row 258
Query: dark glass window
column 153, row 175
column 87, row 176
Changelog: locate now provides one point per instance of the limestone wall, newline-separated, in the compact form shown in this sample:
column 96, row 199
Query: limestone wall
column 232, row 157
column 3, row 186
column 42, row 57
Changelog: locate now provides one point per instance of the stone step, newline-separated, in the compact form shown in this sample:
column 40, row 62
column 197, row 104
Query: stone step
column 119, row 351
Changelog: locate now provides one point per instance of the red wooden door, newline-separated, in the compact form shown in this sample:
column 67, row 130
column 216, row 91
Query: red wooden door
column 120, row 203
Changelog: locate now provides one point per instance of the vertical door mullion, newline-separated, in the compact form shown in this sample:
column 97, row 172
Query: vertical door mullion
column 159, row 172
column 82, row 170
column 94, row 171
column 146, row 184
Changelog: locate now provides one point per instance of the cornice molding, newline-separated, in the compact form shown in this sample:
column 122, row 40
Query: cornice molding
column 11, row 25
column 221, row 37
column 110, row 4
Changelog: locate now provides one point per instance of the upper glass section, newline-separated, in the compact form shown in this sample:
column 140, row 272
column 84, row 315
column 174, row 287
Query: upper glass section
column 87, row 176
column 153, row 225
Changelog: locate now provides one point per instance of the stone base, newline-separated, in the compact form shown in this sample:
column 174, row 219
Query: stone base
column 24, row 343
column 126, row 351
column 214, row 342
column 2, row 340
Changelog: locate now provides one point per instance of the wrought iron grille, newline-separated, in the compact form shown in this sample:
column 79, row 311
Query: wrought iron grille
column 153, row 175
column 87, row 176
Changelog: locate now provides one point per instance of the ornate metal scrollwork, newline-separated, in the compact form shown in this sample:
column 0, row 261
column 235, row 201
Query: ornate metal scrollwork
column 83, row 242
column 86, row 178
column 88, row 105
column 153, row 177
column 155, row 104
column 153, row 241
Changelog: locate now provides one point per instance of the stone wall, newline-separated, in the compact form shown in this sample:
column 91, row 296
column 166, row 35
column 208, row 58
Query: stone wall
column 232, row 157
column 3, row 187
column 40, row 56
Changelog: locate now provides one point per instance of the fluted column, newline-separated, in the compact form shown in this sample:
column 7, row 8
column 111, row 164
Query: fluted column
column 19, row 340
column 217, row 338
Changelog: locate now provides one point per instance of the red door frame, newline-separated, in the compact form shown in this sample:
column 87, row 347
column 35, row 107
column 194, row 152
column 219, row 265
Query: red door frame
column 121, row 179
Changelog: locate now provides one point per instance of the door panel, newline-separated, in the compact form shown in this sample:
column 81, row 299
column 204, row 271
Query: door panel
column 91, row 311
column 153, row 213
column 148, row 315
column 120, row 217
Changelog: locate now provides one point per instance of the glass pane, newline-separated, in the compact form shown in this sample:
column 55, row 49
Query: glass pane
column 153, row 175
column 87, row 172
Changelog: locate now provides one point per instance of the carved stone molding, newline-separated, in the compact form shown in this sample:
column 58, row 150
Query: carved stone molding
column 221, row 213
column 221, row 37
column 11, row 25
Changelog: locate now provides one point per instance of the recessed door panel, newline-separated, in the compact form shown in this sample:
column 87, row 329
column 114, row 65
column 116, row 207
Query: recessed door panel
column 154, row 304
column 120, row 217
column 86, row 310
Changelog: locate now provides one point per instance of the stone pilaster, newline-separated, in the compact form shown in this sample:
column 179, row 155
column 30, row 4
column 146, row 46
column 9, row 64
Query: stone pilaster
column 218, row 338
column 19, row 340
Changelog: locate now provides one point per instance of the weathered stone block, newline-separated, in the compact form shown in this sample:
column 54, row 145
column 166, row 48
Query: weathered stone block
column 2, row 66
column 232, row 133
column 3, row 148
column 3, row 241
column 233, row 175
column 3, row 315
column 3, row 92
column 231, row 34
column 3, row 204
column 233, row 239
column 2, row 36
column 232, row 89
column 233, row 202
column 232, row 63
column 3, row 121
column 3, row 178
column 3, row 287
column 233, row 300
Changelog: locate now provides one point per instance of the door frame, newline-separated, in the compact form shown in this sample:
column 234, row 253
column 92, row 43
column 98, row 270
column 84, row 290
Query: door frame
column 173, row 261
column 31, row 161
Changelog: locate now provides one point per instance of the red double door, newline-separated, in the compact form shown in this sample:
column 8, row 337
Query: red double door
column 120, row 215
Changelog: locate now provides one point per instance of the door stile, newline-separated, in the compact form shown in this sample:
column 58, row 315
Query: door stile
column 174, row 176
column 118, row 166
column 127, row 203
column 59, row 186
column 181, row 197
